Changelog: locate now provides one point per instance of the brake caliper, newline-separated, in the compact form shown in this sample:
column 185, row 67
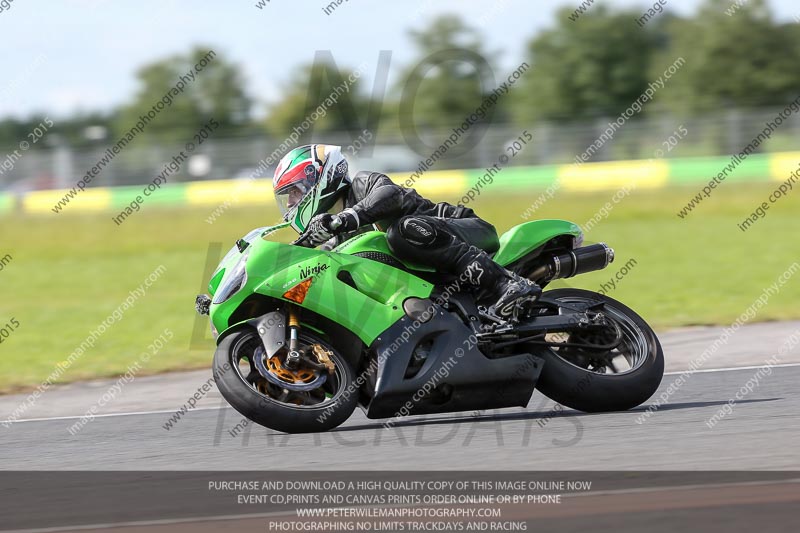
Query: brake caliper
column 324, row 357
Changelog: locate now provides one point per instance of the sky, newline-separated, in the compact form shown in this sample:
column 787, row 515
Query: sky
column 63, row 56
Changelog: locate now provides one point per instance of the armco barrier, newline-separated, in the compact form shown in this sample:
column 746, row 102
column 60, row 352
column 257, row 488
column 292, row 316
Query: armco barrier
column 610, row 175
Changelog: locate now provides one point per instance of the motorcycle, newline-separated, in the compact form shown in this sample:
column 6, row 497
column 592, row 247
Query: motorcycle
column 304, row 336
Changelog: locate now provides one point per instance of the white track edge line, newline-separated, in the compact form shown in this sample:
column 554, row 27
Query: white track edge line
column 728, row 369
column 106, row 415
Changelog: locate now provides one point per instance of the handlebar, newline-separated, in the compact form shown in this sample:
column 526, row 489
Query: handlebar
column 336, row 223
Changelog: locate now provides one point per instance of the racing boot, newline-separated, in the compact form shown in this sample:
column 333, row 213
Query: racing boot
column 509, row 291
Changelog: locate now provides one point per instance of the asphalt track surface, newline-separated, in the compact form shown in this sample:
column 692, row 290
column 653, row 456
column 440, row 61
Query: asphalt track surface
column 668, row 457
column 761, row 432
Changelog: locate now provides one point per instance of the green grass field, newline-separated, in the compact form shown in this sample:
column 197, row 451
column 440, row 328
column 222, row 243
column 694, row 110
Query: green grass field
column 69, row 272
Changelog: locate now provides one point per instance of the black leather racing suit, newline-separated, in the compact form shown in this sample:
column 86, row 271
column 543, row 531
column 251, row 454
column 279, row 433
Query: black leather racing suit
column 442, row 235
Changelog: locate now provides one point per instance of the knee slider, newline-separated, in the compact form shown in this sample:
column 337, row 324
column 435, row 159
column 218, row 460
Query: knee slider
column 417, row 231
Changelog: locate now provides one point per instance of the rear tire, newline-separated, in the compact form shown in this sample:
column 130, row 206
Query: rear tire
column 269, row 412
column 590, row 391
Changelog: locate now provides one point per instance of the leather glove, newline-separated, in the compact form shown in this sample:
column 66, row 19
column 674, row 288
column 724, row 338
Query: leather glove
column 318, row 231
column 347, row 221
column 325, row 226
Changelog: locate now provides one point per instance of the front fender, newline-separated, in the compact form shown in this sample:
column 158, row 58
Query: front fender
column 271, row 327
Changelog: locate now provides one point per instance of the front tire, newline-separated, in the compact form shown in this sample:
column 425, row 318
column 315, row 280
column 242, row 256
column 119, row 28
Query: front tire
column 252, row 396
column 569, row 378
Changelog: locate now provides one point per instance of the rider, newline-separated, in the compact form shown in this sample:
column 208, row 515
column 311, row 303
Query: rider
column 312, row 180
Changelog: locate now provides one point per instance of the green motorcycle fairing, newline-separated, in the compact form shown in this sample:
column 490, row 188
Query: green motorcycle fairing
column 367, row 309
column 520, row 240
column 375, row 241
column 364, row 296
column 514, row 244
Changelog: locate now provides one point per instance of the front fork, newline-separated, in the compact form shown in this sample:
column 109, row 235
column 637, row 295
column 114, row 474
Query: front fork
column 314, row 356
column 293, row 357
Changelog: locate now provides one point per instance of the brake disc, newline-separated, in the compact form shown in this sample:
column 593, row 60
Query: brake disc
column 273, row 370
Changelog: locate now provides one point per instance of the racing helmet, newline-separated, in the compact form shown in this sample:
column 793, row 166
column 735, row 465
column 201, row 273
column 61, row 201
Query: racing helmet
column 308, row 181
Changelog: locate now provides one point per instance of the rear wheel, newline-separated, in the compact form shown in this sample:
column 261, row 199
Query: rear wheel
column 595, row 380
column 303, row 400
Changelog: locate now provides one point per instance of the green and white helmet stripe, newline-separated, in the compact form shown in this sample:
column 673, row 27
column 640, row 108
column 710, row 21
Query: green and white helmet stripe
column 320, row 171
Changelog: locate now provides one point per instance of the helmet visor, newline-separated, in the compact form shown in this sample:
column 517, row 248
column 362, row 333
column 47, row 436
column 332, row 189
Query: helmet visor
column 290, row 197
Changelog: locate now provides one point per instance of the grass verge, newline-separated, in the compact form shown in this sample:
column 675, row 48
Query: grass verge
column 69, row 272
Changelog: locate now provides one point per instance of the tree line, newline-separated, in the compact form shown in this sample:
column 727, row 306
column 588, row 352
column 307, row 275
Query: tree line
column 591, row 67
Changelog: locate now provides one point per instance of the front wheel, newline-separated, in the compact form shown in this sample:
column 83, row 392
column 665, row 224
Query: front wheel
column 301, row 401
column 595, row 380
